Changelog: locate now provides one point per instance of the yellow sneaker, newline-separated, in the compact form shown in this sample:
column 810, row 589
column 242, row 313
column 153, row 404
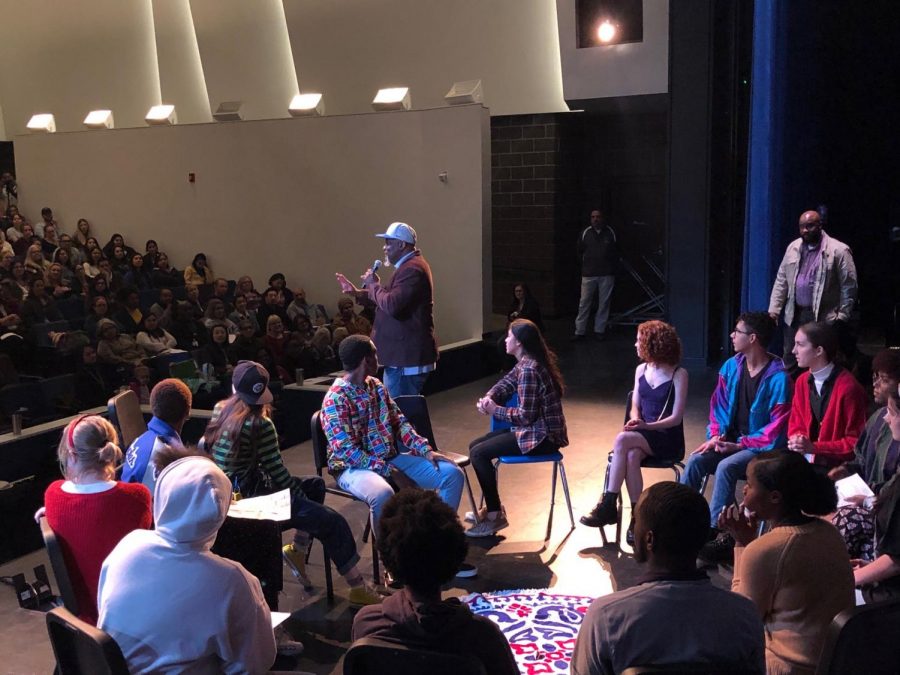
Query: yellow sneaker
column 296, row 561
column 360, row 596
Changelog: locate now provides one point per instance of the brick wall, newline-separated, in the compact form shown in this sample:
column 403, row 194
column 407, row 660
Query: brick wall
column 547, row 172
column 525, row 168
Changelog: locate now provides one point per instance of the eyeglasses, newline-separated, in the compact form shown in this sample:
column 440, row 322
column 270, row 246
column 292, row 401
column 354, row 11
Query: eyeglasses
column 742, row 332
column 880, row 378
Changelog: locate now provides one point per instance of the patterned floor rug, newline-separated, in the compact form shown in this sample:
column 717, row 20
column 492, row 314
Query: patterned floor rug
column 541, row 626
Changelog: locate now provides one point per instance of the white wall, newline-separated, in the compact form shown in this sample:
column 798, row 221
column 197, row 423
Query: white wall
column 300, row 196
column 615, row 70
column 181, row 78
column 351, row 48
column 246, row 55
column 69, row 58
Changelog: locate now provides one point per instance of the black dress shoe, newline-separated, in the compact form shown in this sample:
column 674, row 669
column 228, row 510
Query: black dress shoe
column 719, row 550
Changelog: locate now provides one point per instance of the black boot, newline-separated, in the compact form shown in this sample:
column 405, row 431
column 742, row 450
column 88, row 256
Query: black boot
column 629, row 533
column 605, row 513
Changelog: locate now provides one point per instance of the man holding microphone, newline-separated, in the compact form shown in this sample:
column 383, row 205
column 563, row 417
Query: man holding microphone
column 404, row 306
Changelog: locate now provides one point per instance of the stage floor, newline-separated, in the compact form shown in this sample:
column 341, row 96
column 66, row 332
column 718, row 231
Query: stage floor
column 598, row 375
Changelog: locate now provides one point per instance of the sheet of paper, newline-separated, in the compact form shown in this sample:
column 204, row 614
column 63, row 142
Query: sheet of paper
column 850, row 487
column 279, row 618
column 276, row 506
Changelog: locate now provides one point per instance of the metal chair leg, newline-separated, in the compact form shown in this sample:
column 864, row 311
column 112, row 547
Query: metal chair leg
column 469, row 490
column 376, row 568
column 620, row 506
column 565, row 484
column 552, row 502
column 703, row 484
column 329, row 582
column 605, row 484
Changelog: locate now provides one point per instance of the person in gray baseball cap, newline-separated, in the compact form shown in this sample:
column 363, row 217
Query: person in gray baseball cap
column 404, row 311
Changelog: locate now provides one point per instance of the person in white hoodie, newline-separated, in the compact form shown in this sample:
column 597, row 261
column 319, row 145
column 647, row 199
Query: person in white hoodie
column 169, row 602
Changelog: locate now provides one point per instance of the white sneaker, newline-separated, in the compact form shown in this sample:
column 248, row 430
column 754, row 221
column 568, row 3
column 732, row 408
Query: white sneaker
column 488, row 527
column 472, row 517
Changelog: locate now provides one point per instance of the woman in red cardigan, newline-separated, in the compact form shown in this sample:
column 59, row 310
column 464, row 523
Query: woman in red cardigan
column 829, row 409
column 90, row 511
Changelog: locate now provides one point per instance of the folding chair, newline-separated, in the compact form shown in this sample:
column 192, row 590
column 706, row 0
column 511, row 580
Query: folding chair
column 675, row 465
column 81, row 648
column 60, row 570
column 864, row 640
column 320, row 458
column 415, row 408
column 125, row 413
column 558, row 468
column 372, row 656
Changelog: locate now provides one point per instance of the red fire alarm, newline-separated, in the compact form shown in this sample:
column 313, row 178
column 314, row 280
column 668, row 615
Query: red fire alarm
column 192, row 178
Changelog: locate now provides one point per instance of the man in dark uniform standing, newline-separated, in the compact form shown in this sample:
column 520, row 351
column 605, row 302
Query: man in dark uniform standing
column 599, row 256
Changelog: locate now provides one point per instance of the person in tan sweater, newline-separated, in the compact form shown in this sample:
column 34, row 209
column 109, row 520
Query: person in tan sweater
column 798, row 574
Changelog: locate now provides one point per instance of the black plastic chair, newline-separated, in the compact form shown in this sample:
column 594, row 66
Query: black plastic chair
column 694, row 669
column 82, row 649
column 676, row 465
column 415, row 408
column 320, row 458
column 60, row 570
column 864, row 640
column 373, row 656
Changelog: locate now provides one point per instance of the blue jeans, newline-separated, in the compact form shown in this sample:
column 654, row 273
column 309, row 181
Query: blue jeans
column 374, row 490
column 603, row 287
column 310, row 515
column 398, row 384
column 729, row 469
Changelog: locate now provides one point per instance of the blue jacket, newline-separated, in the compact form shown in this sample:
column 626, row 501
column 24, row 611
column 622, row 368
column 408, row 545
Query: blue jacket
column 769, row 412
column 137, row 458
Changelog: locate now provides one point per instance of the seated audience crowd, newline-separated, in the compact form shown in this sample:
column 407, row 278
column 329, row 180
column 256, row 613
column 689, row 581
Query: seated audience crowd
column 62, row 291
column 114, row 317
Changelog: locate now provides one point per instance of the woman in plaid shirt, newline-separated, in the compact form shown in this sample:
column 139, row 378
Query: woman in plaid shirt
column 538, row 423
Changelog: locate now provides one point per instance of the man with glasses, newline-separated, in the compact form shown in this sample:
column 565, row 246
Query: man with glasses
column 76, row 257
column 816, row 281
column 748, row 414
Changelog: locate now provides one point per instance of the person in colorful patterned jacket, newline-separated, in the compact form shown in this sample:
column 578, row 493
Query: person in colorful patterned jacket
column 748, row 414
column 372, row 448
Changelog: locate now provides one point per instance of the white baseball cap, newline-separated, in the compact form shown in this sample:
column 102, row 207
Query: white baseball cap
column 400, row 231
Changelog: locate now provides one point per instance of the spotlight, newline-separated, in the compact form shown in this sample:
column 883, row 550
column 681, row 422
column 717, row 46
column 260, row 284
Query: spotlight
column 305, row 105
column 607, row 31
column 394, row 98
column 161, row 114
column 228, row 111
column 99, row 119
column 42, row 122
column 468, row 91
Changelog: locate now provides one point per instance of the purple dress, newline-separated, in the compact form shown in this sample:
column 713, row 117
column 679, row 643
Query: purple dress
column 655, row 404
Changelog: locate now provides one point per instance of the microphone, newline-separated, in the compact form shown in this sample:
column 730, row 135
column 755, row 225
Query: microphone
column 375, row 266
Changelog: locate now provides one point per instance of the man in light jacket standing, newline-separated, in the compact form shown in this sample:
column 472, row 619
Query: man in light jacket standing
column 816, row 281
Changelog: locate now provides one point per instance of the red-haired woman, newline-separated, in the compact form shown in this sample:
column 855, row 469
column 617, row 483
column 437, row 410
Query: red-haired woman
column 654, row 427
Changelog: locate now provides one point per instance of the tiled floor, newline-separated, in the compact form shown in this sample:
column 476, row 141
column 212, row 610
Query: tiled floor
column 598, row 376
